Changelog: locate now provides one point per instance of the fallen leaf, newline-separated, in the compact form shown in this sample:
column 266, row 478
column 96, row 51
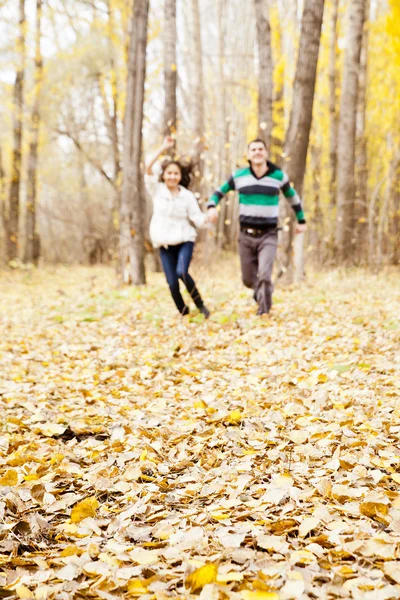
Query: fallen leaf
column 202, row 576
column 84, row 509
column 10, row 478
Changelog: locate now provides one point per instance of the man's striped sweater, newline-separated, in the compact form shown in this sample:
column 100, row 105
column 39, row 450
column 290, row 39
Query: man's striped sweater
column 259, row 196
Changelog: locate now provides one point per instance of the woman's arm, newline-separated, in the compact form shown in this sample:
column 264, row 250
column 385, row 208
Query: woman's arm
column 167, row 144
column 196, row 216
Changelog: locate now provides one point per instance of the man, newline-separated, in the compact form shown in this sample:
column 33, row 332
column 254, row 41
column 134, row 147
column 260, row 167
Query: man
column 259, row 186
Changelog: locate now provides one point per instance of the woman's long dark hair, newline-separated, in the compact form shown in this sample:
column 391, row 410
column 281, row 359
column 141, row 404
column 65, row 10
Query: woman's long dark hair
column 185, row 169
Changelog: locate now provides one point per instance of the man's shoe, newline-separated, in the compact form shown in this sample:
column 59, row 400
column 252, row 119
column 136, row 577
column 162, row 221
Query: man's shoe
column 204, row 311
column 185, row 311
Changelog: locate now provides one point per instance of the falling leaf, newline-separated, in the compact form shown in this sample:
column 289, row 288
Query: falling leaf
column 84, row 509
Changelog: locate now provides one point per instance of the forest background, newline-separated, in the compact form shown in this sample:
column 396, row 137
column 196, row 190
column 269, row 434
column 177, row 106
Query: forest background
column 216, row 75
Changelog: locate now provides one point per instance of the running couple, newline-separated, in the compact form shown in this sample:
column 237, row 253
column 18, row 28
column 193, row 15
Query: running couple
column 176, row 215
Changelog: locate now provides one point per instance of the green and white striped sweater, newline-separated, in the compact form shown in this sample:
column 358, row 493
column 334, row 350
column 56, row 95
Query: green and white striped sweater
column 259, row 196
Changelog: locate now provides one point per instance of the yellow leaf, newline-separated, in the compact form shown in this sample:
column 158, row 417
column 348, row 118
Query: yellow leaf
column 396, row 477
column 24, row 592
column 136, row 587
column 219, row 516
column 71, row 551
column 302, row 557
column 259, row 595
column 84, row 509
column 322, row 378
column 173, row 67
column 202, row 576
column 10, row 478
column 199, row 404
column 32, row 477
column 235, row 417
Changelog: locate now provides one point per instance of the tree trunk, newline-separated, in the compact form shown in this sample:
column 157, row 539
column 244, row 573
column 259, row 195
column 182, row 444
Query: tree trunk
column 3, row 220
column 345, row 235
column 297, row 138
column 170, row 72
column 198, row 100
column 132, row 201
column 223, row 129
column 278, row 112
column 333, row 113
column 395, row 213
column 265, row 70
column 32, row 249
column 112, row 114
column 361, row 206
column 14, row 197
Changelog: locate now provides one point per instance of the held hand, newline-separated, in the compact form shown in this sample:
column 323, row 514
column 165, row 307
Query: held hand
column 212, row 215
column 301, row 227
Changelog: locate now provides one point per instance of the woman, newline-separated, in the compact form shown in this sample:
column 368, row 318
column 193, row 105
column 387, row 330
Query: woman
column 176, row 213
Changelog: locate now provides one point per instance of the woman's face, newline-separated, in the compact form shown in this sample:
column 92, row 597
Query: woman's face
column 172, row 176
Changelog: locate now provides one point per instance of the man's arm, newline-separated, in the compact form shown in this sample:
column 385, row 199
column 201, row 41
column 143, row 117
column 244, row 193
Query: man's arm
column 219, row 193
column 295, row 202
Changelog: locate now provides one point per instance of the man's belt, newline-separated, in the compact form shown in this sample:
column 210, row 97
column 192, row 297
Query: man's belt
column 257, row 232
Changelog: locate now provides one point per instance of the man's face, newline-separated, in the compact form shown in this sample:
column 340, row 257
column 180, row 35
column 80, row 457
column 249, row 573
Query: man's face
column 257, row 153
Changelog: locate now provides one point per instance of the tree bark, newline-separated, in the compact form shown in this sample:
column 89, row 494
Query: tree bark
column 297, row 138
column 170, row 69
column 361, row 157
column 265, row 70
column 198, row 100
column 132, row 208
column 32, row 249
column 14, row 195
column 333, row 112
column 345, row 234
column 395, row 213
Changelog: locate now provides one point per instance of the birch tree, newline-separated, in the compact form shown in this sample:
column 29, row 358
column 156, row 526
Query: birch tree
column 333, row 113
column 132, row 201
column 297, row 138
column 345, row 234
column 170, row 68
column 18, row 103
column 265, row 70
column 198, row 98
column 32, row 248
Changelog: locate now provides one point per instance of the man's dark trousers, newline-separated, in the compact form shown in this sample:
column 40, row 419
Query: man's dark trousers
column 257, row 255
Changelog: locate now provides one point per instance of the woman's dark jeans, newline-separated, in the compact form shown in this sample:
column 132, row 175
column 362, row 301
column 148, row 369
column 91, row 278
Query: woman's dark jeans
column 175, row 261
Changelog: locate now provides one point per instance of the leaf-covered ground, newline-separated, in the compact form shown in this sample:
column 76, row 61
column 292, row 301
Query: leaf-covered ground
column 147, row 456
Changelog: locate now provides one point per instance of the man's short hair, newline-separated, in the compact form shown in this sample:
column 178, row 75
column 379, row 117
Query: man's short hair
column 257, row 141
